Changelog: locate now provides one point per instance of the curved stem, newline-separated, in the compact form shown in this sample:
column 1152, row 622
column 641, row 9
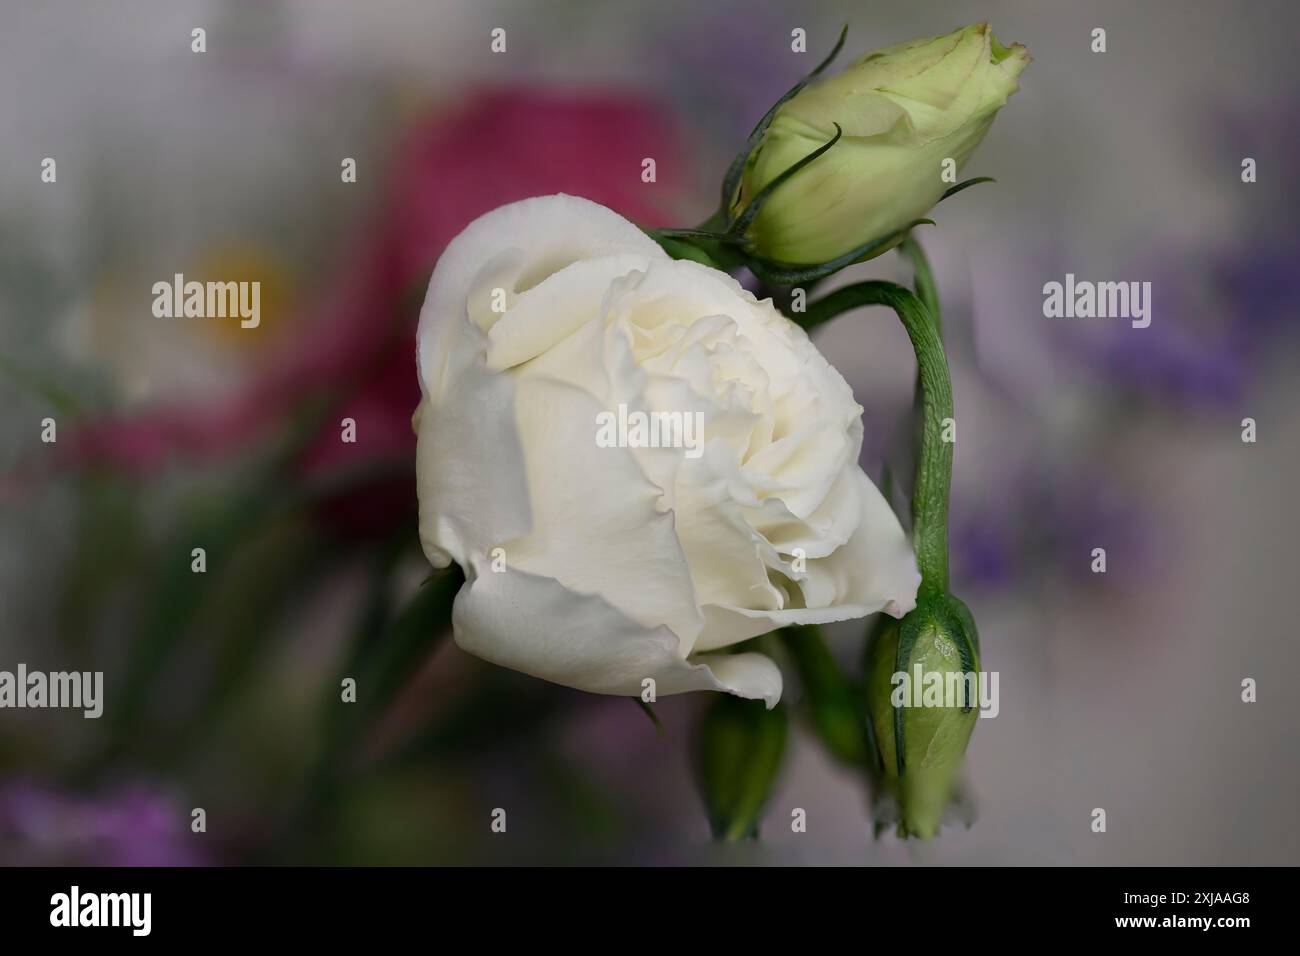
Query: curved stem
column 927, row 290
column 934, row 465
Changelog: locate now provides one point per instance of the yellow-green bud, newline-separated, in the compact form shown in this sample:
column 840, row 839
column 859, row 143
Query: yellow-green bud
column 904, row 111
column 934, row 735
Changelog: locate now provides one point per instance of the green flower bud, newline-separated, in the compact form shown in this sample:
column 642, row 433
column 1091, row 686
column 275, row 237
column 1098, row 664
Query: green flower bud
column 929, row 712
column 903, row 112
column 738, row 752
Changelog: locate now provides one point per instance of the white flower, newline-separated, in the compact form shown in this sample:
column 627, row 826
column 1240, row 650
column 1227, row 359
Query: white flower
column 600, row 567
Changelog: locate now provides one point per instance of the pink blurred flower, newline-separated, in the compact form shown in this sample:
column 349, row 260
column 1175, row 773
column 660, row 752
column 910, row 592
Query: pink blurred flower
column 357, row 353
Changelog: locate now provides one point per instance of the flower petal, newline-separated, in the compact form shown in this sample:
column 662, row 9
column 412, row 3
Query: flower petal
column 536, row 625
column 469, row 469
column 597, row 523
column 874, row 571
column 550, row 232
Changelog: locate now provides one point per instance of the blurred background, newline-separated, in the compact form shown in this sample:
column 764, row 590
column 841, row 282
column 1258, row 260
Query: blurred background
column 1119, row 690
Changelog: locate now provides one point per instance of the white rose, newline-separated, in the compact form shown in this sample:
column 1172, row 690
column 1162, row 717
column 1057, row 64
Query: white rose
column 625, row 563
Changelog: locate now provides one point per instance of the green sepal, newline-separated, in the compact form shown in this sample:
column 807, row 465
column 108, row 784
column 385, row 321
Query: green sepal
column 965, row 184
column 963, row 615
column 788, row 273
column 648, row 709
column 681, row 247
column 736, row 230
column 687, row 234
column 909, row 630
column 737, row 168
column 941, row 614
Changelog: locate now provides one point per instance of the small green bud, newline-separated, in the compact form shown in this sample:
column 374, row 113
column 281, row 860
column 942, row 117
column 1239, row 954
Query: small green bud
column 911, row 116
column 922, row 697
column 738, row 753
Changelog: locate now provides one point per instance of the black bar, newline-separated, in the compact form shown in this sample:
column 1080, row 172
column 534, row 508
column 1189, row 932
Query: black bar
column 914, row 906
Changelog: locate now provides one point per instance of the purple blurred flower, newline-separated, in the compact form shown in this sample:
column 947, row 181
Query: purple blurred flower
column 1224, row 308
column 1217, row 319
column 1049, row 523
column 1259, row 282
column 131, row 826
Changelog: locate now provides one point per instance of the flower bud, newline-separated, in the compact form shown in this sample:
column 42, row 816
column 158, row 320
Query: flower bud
column 927, row 699
column 738, row 750
column 903, row 111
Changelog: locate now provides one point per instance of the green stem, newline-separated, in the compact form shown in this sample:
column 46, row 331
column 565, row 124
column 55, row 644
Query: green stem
column 927, row 290
column 934, row 465
column 831, row 701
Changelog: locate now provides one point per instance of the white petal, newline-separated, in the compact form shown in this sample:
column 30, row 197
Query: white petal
column 876, row 568
column 550, row 232
column 750, row 675
column 469, row 470
column 559, row 305
column 536, row 625
column 826, row 529
column 728, row 559
column 597, row 522
column 874, row 571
